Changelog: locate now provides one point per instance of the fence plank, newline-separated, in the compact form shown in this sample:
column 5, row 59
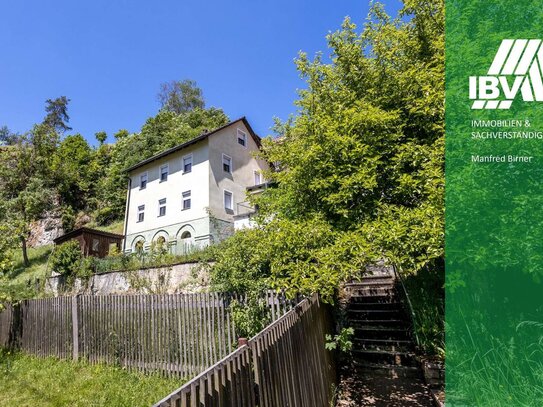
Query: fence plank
column 179, row 334
column 285, row 364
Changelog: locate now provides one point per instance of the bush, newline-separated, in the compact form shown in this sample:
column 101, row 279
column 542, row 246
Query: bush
column 105, row 216
column 66, row 258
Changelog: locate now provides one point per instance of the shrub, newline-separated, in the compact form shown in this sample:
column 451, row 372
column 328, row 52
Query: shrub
column 105, row 216
column 66, row 258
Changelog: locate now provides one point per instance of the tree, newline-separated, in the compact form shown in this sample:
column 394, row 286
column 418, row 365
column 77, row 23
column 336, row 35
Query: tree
column 362, row 164
column 101, row 137
column 180, row 96
column 7, row 137
column 72, row 165
column 27, row 175
column 57, row 114
column 24, row 194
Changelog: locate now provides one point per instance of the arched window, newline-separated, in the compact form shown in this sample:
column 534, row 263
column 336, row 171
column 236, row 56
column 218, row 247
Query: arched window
column 186, row 235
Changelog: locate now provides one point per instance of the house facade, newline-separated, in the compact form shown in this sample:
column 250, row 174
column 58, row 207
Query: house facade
column 187, row 196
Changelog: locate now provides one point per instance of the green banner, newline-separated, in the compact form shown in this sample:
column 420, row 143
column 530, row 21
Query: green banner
column 494, row 203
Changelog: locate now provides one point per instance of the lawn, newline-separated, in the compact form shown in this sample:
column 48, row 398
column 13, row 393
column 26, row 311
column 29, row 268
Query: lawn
column 31, row 381
column 22, row 281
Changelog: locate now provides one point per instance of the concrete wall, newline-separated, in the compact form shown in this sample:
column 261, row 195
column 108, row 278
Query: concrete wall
column 180, row 278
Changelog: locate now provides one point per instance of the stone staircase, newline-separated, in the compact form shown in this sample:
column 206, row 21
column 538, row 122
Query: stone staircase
column 383, row 369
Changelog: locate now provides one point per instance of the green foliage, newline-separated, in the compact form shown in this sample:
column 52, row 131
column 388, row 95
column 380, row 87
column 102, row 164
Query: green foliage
column 144, row 259
column 27, row 380
column 365, row 155
column 342, row 341
column 40, row 170
column 254, row 259
column 66, row 258
column 7, row 138
column 252, row 317
column 101, row 137
column 72, row 165
column 57, row 114
column 180, row 96
column 427, row 294
column 7, row 244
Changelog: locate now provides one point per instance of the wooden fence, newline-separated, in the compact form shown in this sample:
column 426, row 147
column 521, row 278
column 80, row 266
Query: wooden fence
column 284, row 365
column 178, row 334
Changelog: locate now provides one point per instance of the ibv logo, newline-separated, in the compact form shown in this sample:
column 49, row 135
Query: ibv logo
column 517, row 66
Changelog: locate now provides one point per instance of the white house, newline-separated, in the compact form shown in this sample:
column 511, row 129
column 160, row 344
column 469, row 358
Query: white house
column 187, row 196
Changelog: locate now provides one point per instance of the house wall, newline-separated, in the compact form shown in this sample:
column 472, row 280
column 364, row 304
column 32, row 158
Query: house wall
column 207, row 220
column 243, row 167
column 176, row 221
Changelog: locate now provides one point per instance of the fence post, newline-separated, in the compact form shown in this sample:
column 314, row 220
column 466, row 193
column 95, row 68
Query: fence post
column 75, row 328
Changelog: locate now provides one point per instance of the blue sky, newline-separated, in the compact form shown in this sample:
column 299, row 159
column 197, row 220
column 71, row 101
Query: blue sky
column 109, row 57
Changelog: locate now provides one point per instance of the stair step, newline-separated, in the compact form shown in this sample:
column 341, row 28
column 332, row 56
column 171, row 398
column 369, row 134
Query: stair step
column 373, row 299
column 392, row 371
column 366, row 282
column 373, row 305
column 384, row 342
column 385, row 333
column 384, row 345
column 374, row 313
column 369, row 291
column 380, row 323
column 386, row 358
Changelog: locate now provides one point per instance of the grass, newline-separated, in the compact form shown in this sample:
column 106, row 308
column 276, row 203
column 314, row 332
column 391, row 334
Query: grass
column 31, row 381
column 21, row 282
column 426, row 293
column 496, row 374
column 115, row 227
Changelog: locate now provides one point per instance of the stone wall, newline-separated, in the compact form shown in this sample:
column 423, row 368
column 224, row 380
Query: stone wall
column 179, row 278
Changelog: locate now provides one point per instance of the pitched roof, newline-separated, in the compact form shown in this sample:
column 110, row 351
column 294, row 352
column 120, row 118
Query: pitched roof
column 193, row 141
column 81, row 230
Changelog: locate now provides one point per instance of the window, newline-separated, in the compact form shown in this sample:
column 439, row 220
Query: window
column 187, row 164
column 186, row 200
column 258, row 178
column 186, row 235
column 143, row 181
column 162, row 207
column 228, row 201
column 226, row 163
column 164, row 173
column 141, row 213
column 242, row 138
column 95, row 245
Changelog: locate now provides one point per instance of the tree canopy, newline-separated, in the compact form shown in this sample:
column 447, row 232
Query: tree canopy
column 45, row 169
column 361, row 165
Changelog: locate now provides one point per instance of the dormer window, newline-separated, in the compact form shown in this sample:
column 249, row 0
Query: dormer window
column 143, row 181
column 226, row 163
column 242, row 138
column 164, row 173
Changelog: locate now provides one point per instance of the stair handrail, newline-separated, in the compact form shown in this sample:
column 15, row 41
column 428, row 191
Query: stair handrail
column 411, row 310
